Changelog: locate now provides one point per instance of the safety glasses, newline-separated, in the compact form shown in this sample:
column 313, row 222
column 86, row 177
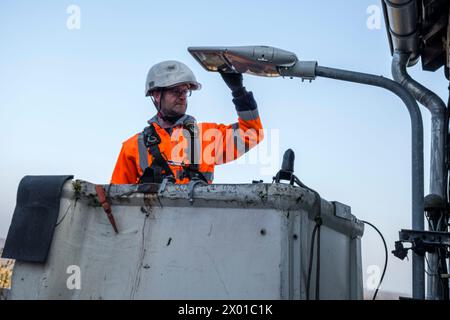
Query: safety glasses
column 178, row 92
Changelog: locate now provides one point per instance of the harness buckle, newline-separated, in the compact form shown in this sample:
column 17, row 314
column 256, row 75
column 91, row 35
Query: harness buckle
column 152, row 140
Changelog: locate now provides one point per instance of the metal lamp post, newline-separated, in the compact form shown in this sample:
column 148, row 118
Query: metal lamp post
column 272, row 62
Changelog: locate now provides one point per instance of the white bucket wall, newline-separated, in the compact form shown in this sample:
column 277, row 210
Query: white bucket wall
column 249, row 241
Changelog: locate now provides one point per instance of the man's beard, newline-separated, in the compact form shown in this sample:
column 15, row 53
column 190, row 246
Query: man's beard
column 171, row 119
column 170, row 116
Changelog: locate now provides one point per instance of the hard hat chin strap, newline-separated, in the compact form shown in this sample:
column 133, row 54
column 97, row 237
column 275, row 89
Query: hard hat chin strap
column 171, row 119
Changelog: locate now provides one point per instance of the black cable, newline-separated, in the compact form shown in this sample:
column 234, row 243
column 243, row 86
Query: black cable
column 440, row 226
column 435, row 273
column 386, row 257
column 311, row 255
column 318, row 221
column 65, row 214
column 430, row 225
column 318, row 262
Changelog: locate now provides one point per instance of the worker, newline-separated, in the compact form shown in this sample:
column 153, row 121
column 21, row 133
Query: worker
column 174, row 146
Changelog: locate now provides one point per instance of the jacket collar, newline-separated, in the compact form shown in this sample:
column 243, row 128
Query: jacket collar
column 181, row 121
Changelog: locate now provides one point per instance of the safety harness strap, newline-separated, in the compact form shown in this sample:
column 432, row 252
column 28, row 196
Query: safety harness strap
column 194, row 143
column 159, row 168
column 143, row 159
column 149, row 140
column 192, row 171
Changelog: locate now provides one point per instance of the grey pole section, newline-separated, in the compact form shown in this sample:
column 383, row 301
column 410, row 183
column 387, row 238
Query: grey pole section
column 437, row 161
column 308, row 70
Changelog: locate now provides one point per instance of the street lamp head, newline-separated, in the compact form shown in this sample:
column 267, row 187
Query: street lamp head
column 257, row 60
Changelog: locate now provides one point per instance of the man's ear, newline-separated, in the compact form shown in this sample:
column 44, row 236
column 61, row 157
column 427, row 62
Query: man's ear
column 156, row 95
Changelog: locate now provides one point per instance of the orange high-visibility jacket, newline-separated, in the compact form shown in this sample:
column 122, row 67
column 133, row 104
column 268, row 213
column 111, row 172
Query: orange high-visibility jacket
column 218, row 143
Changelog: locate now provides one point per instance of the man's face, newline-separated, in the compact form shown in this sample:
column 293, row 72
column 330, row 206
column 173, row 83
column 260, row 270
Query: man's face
column 173, row 100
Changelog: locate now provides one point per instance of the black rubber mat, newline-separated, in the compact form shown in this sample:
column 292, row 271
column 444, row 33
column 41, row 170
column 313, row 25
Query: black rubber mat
column 31, row 232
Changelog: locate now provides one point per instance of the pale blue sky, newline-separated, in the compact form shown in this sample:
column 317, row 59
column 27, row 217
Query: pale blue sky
column 68, row 98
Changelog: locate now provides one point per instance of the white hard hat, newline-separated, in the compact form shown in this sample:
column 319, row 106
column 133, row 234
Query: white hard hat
column 168, row 74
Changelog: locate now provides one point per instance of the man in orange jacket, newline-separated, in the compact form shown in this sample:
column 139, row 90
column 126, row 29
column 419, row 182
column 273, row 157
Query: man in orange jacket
column 174, row 146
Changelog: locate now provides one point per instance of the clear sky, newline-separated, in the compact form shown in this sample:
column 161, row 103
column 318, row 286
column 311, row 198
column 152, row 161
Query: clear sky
column 70, row 96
